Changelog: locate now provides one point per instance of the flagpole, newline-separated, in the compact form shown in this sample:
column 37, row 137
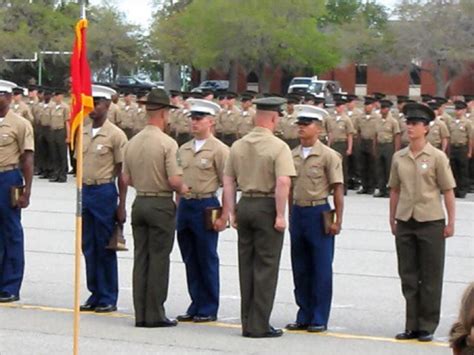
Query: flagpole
column 78, row 246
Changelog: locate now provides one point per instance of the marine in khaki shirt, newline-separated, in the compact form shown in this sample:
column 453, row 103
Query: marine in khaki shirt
column 16, row 169
column 319, row 172
column 420, row 174
column 261, row 165
column 152, row 167
column 113, row 115
column 439, row 134
column 247, row 116
column 59, row 116
column 203, row 160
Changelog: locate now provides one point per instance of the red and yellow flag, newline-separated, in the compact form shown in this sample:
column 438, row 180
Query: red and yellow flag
column 81, row 103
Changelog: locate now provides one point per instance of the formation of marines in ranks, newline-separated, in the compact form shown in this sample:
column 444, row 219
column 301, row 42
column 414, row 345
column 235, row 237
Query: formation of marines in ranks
column 188, row 145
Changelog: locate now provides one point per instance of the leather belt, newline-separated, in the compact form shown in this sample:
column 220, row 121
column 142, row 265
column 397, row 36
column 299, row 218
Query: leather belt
column 258, row 194
column 8, row 168
column 154, row 194
column 310, row 203
column 385, row 142
column 91, row 182
column 194, row 196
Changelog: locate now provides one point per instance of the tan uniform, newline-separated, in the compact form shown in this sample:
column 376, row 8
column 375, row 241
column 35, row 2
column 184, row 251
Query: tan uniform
column 44, row 140
column 203, row 170
column 461, row 133
column 289, row 129
column 353, row 168
column 102, row 153
column 16, row 137
column 22, row 109
column 438, row 132
column 58, row 145
column 402, row 121
column 366, row 126
column 339, row 128
column 312, row 249
column 151, row 157
column 141, row 120
column 34, row 106
column 181, row 126
column 203, row 174
column 419, row 231
column 127, row 118
column 113, row 115
column 315, row 173
column 246, row 122
column 386, row 129
column 255, row 161
column 227, row 121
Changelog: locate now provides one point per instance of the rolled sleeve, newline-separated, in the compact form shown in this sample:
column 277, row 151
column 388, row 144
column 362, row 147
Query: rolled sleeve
column 284, row 163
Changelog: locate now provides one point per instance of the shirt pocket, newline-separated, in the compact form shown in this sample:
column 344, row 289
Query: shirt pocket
column 6, row 139
column 314, row 172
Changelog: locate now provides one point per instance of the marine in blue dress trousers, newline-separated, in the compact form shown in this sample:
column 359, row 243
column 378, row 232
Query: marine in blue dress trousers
column 203, row 160
column 319, row 171
column 103, row 155
column 16, row 169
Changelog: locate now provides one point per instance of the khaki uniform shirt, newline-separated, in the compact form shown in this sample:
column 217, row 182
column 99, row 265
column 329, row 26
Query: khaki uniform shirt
column 438, row 132
column 150, row 158
column 247, row 122
column 288, row 126
column 402, row 121
column 181, row 122
column 227, row 121
column 34, row 106
column 315, row 174
column 203, row 170
column 353, row 116
column 387, row 128
column 113, row 115
column 128, row 115
column 103, row 151
column 59, row 116
column 44, row 113
column 446, row 118
column 421, row 179
column 461, row 131
column 23, row 110
column 16, row 136
column 257, row 159
column 141, row 120
column 339, row 127
column 366, row 125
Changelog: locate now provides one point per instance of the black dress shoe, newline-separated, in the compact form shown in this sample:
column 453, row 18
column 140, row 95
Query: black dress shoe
column 296, row 326
column 162, row 324
column 61, row 179
column 317, row 328
column 87, row 307
column 140, row 324
column 6, row 298
column 361, row 191
column 185, row 318
column 53, row 179
column 407, row 335
column 105, row 309
column 45, row 176
column 272, row 333
column 379, row 194
column 200, row 319
column 425, row 336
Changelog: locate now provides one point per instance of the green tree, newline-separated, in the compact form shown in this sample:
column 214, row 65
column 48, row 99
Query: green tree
column 257, row 34
column 115, row 46
column 438, row 34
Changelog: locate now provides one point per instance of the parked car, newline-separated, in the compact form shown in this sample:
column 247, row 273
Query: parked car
column 133, row 84
column 212, row 85
column 325, row 89
column 300, row 84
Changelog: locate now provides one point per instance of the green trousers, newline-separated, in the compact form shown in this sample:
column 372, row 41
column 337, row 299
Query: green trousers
column 259, row 248
column 383, row 164
column 153, row 225
column 420, row 253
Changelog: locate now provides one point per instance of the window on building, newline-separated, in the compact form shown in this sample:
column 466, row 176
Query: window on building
column 361, row 74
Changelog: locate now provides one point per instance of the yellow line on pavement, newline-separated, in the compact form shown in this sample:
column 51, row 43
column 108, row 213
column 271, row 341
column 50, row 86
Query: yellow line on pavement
column 228, row 325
